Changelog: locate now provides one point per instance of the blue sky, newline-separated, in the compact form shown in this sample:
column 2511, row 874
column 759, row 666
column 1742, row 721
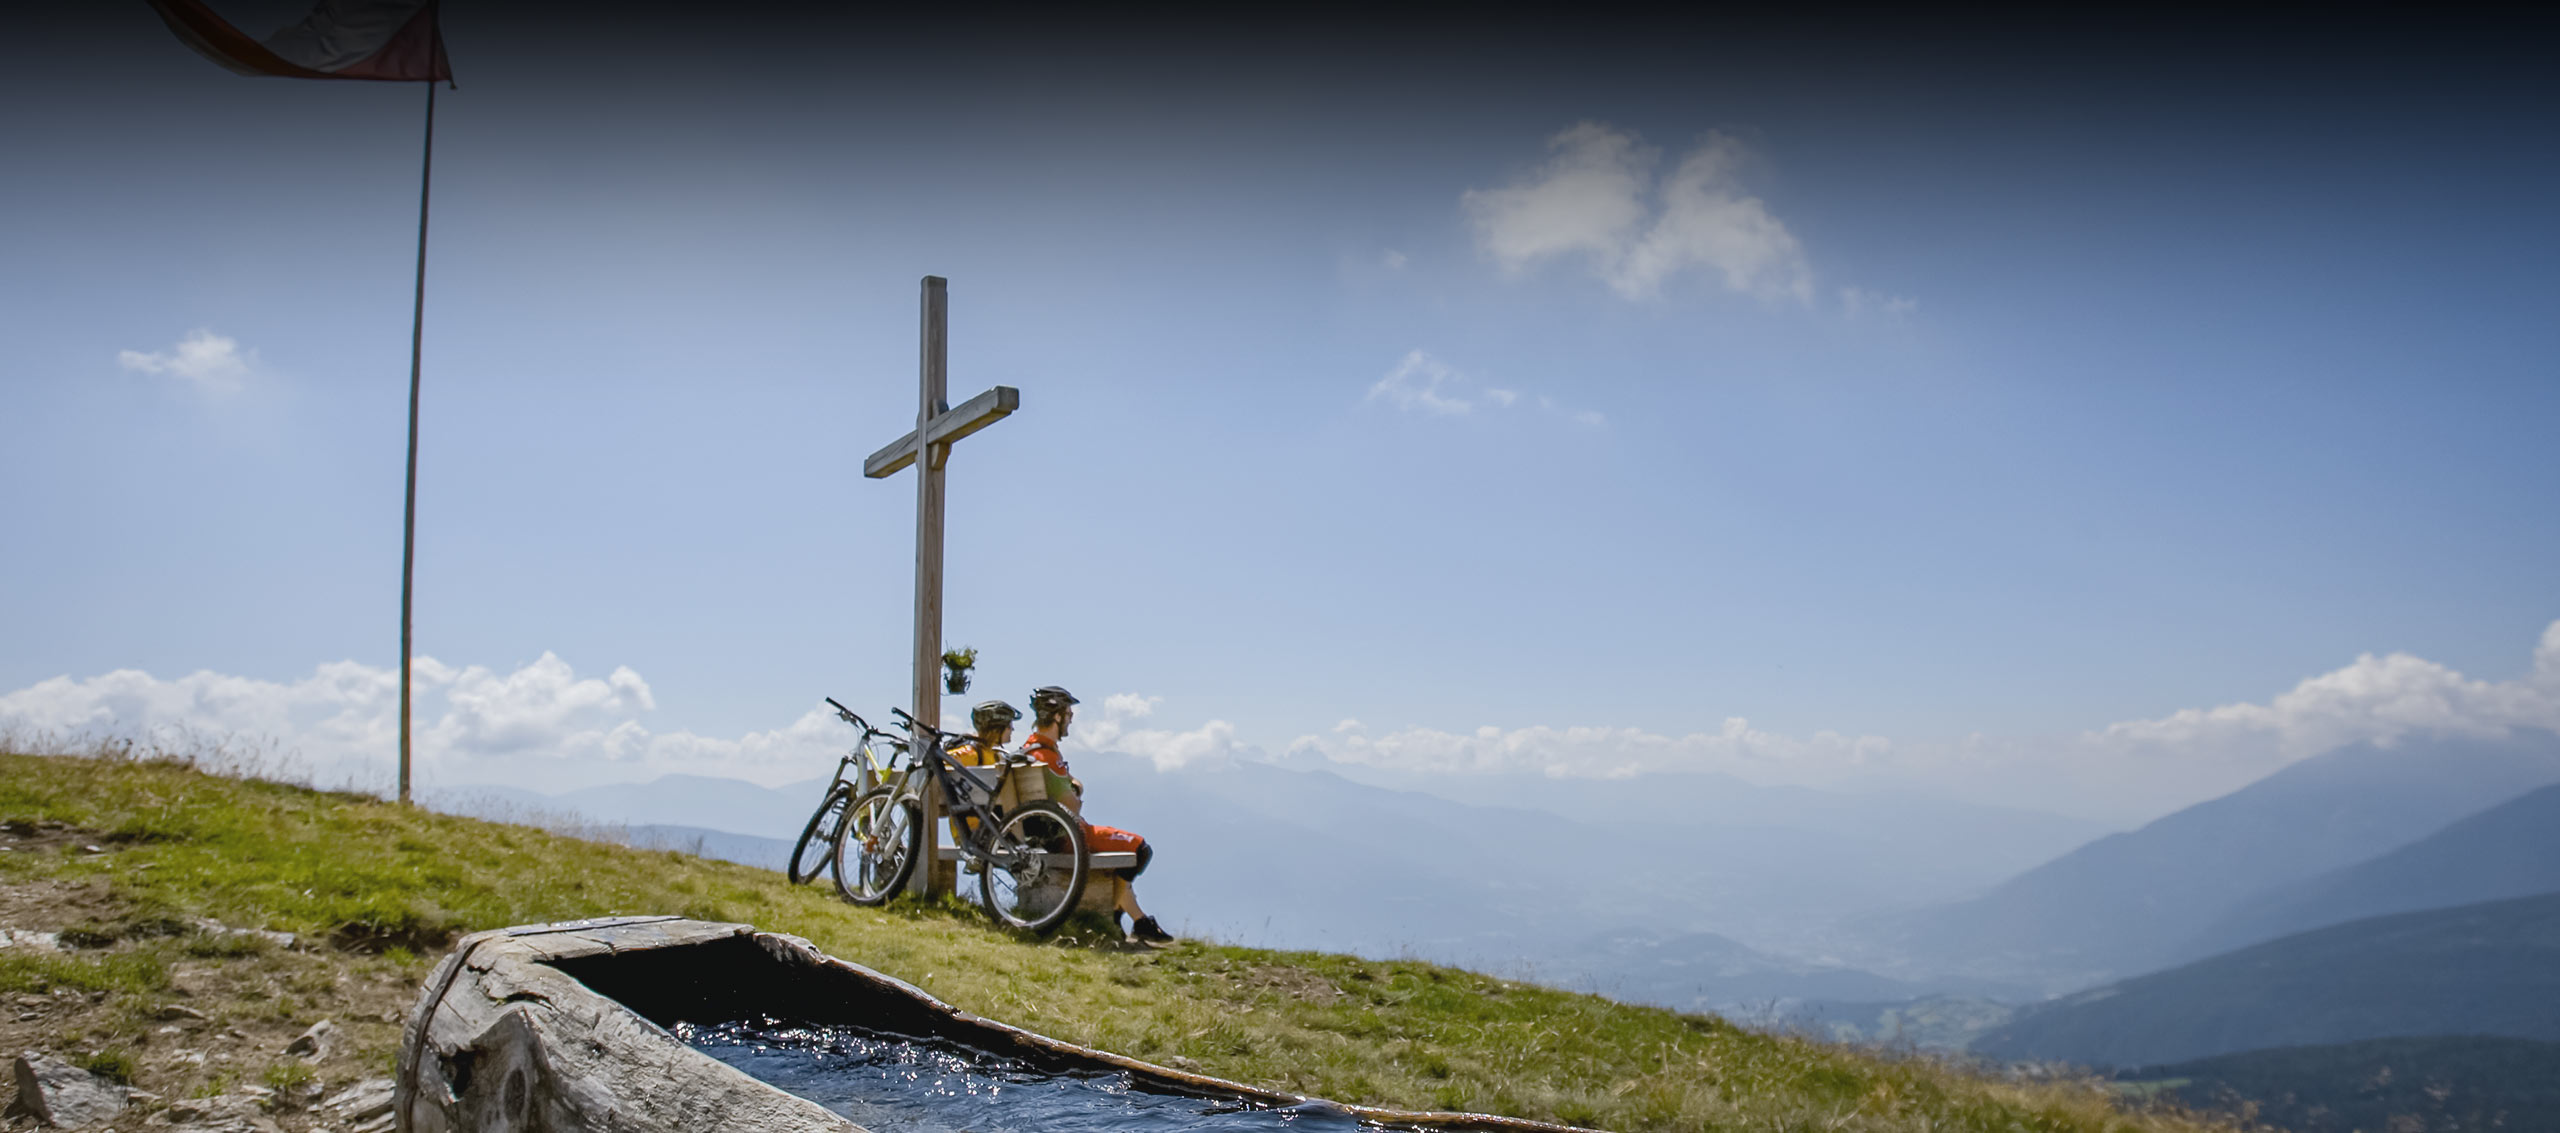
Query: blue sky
column 1999, row 391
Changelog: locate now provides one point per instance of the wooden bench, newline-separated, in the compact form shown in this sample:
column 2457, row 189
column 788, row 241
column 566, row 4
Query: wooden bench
column 993, row 778
column 1101, row 859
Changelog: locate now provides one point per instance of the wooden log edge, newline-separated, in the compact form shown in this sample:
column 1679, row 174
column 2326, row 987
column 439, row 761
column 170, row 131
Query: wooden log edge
column 504, row 1005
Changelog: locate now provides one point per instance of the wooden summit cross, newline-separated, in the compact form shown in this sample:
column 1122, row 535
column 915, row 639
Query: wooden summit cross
column 927, row 447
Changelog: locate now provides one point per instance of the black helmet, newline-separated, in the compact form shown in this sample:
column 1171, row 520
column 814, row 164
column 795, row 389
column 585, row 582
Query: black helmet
column 1049, row 700
column 992, row 715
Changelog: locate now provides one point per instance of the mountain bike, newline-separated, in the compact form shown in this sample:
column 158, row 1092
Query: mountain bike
column 1028, row 852
column 816, row 849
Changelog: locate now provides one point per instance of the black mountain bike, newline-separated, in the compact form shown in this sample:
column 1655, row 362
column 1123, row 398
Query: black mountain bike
column 1030, row 857
column 817, row 846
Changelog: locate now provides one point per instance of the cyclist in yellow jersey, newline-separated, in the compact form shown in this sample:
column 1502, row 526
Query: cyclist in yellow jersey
column 993, row 721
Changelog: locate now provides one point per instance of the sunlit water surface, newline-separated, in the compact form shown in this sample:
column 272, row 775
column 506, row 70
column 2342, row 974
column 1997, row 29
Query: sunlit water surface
column 893, row 1084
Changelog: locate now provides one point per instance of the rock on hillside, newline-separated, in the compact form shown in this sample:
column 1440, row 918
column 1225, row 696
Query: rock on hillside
column 57, row 1093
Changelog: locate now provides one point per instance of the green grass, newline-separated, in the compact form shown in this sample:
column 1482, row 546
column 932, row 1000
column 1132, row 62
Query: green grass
column 288, row 1077
column 131, row 973
column 388, row 886
column 2453, row 1082
column 115, row 1064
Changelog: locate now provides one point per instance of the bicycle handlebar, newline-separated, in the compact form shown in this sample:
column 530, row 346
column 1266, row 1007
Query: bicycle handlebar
column 850, row 716
column 914, row 726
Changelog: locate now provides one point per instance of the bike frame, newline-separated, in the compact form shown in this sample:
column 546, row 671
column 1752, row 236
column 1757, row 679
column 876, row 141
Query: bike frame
column 872, row 776
column 965, row 790
column 1004, row 845
column 848, row 788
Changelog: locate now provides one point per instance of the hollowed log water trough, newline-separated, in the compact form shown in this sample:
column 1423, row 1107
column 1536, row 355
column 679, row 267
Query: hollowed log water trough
column 574, row 1027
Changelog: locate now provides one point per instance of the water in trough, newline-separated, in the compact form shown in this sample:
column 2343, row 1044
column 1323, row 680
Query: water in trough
column 893, row 1084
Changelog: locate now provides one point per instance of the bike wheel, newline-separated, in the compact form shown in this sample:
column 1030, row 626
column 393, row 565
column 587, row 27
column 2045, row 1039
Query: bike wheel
column 1039, row 868
column 817, row 844
column 877, row 846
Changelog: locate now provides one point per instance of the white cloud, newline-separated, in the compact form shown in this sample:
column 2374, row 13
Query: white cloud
column 1172, row 750
column 543, row 722
column 1169, row 750
column 1598, row 197
column 2382, row 699
column 1423, row 382
column 1588, row 198
column 2129, row 770
column 541, row 705
column 1858, row 302
column 213, row 362
column 1394, row 260
column 341, row 723
column 1129, row 706
column 1708, row 221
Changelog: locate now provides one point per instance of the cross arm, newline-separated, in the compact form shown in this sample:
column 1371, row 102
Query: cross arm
column 948, row 426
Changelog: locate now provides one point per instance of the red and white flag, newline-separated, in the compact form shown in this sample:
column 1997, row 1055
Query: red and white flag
column 383, row 40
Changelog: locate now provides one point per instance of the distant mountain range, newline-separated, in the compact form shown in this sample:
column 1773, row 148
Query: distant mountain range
column 2509, row 850
column 732, row 805
column 1289, row 857
column 745, row 849
column 2132, row 902
column 1873, row 849
column 2485, row 969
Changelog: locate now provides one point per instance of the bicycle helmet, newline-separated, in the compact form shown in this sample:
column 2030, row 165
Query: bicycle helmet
column 991, row 715
column 1048, row 701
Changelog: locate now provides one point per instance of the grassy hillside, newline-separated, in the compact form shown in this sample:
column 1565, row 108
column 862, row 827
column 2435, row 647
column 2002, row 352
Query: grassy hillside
column 2404, row 1085
column 375, row 890
column 2487, row 969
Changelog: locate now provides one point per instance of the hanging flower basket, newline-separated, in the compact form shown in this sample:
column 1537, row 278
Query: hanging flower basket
column 956, row 664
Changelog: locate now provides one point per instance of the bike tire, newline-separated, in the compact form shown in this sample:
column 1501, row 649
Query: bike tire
column 1040, row 868
column 819, row 834
column 877, row 846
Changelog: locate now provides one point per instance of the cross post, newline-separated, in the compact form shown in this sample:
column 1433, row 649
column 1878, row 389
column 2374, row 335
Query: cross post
column 928, row 447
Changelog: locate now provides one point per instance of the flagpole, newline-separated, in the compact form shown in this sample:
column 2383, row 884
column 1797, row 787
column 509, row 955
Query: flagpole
column 409, row 516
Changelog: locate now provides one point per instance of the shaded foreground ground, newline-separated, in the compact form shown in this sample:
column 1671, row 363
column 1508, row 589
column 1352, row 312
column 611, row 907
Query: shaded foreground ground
column 126, row 859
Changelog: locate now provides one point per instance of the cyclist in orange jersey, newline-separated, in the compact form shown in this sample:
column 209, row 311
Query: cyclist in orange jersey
column 1052, row 710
